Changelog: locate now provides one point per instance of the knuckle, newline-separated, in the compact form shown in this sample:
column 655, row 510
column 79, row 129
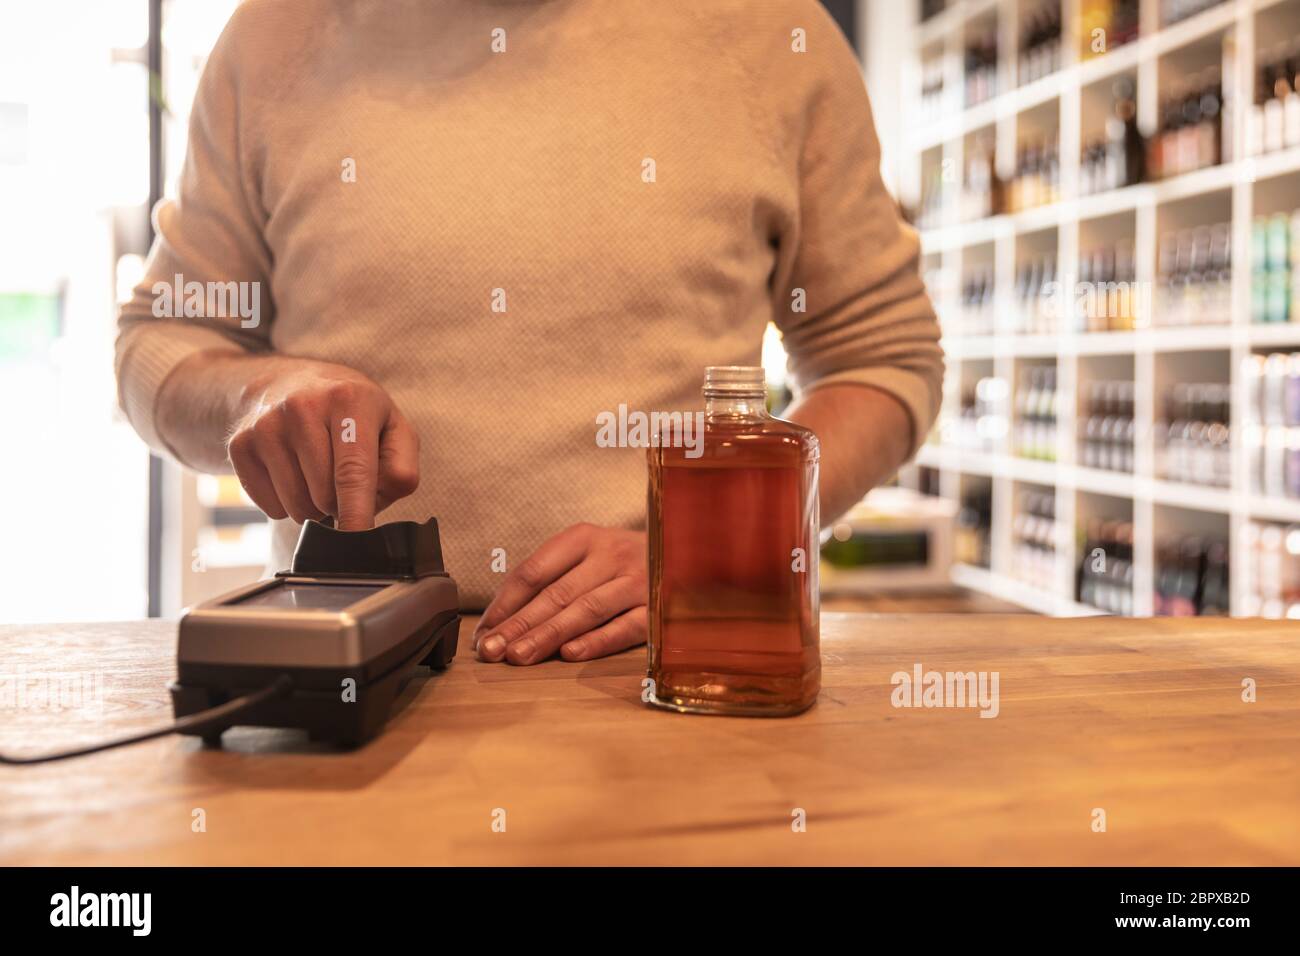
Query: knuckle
column 300, row 405
column 557, row 595
column 402, row 480
column 547, row 634
column 342, row 392
column 240, row 446
column 514, row 628
column 628, row 550
column 583, row 530
column 530, row 573
column 594, row 606
column 352, row 472
column 269, row 426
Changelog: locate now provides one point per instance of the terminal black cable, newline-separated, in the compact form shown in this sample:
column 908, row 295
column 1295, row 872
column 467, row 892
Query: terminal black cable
column 222, row 712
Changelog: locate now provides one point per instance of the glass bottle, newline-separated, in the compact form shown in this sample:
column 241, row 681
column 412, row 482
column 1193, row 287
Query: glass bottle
column 733, row 537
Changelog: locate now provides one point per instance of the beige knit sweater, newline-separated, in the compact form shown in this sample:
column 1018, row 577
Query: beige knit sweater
column 641, row 186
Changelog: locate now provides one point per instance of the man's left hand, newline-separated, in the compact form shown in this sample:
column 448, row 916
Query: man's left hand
column 582, row 594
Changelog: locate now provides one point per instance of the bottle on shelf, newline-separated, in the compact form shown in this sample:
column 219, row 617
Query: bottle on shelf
column 1035, row 296
column 981, row 67
column 1040, row 43
column 1106, row 294
column 1104, row 576
column 1194, row 276
column 982, row 193
column 1037, row 177
column 971, row 543
column 1172, row 11
column 1194, row 441
column 1270, row 555
column 977, row 302
column 1033, row 540
column 1272, row 434
column 1107, row 430
column 932, row 8
column 1274, row 122
column 1105, row 25
column 1191, row 577
column 1118, row 158
column 1036, row 412
column 1275, row 268
column 1190, row 135
column 983, row 420
column 934, row 195
column 932, row 89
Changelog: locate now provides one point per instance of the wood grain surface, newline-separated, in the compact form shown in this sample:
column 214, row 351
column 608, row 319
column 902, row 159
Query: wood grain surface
column 1143, row 719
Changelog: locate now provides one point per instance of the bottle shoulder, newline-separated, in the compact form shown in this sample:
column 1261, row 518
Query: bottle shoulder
column 760, row 433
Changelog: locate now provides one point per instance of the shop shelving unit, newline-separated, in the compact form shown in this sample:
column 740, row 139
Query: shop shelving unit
column 1158, row 355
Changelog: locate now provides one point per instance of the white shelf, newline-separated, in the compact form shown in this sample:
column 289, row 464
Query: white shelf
column 1200, row 183
column 1116, row 484
column 1274, row 509
column 1017, row 592
column 1045, row 89
column 1155, row 356
column 1191, row 338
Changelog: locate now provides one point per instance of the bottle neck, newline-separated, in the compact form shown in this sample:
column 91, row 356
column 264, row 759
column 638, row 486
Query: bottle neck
column 745, row 405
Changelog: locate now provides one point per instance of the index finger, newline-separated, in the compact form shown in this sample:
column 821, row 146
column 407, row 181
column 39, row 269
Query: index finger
column 558, row 554
column 354, row 431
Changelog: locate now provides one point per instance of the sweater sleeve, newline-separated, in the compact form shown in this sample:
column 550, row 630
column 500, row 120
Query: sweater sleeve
column 866, row 317
column 210, row 234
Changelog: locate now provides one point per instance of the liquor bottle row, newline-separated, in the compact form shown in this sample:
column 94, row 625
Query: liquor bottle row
column 983, row 193
column 1194, row 440
column 1104, row 577
column 1033, row 540
column 1194, row 277
column 931, row 105
column 1275, row 268
column 1191, row 134
column 981, row 67
column 1275, row 115
column 1271, row 557
column 977, row 302
column 1106, row 437
column 1273, row 423
column 1040, row 43
column 1105, row 25
column 1037, row 179
column 932, row 8
column 1032, row 311
column 983, row 422
column 1191, row 577
column 1118, row 157
column 1036, row 406
column 1272, row 389
column 974, row 529
column 1106, row 296
column 1171, row 11
column 1193, row 282
column 930, row 213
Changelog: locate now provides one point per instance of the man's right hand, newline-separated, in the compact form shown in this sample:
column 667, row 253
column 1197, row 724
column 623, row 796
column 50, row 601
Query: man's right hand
column 315, row 439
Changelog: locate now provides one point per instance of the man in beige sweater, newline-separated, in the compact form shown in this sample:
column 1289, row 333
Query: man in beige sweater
column 419, row 247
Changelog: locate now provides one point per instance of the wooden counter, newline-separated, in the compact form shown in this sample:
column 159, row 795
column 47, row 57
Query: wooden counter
column 1143, row 719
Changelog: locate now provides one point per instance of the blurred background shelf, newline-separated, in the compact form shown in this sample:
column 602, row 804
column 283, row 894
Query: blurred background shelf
column 1108, row 200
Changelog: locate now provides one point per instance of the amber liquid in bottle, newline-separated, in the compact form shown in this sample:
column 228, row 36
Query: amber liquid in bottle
column 733, row 538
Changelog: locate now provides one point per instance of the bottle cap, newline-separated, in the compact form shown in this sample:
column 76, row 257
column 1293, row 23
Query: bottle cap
column 725, row 380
